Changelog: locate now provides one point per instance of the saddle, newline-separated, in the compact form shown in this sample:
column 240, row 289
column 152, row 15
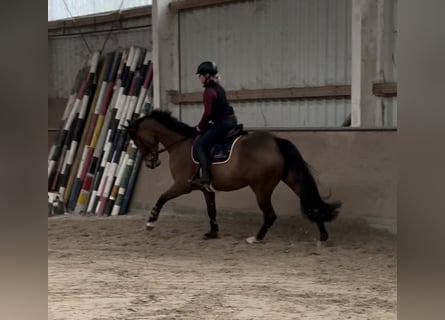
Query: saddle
column 220, row 151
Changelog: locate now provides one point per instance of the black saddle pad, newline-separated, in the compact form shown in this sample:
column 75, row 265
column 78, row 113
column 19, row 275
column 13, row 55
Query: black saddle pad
column 220, row 152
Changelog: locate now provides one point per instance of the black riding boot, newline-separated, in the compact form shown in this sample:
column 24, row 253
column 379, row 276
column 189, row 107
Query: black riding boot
column 202, row 178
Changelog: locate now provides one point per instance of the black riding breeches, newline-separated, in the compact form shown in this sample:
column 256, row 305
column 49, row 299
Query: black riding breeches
column 216, row 132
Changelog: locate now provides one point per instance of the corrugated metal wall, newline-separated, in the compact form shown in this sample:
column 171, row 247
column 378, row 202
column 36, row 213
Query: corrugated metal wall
column 67, row 53
column 282, row 114
column 257, row 44
column 275, row 44
column 271, row 44
column 389, row 41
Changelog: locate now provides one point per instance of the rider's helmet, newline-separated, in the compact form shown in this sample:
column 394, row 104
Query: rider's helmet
column 207, row 67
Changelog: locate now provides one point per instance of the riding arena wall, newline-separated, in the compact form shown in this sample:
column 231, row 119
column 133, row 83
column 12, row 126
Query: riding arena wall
column 356, row 167
column 355, row 164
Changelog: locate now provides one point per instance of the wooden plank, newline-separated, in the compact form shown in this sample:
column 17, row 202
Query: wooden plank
column 269, row 94
column 386, row 89
column 184, row 98
column 91, row 20
column 194, row 4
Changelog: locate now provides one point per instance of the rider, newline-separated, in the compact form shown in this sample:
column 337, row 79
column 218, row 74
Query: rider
column 217, row 120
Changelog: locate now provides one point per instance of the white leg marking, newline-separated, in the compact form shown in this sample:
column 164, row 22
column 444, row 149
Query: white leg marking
column 251, row 240
column 150, row 226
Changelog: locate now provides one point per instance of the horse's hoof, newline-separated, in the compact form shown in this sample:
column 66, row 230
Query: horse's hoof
column 251, row 240
column 323, row 237
column 149, row 226
column 210, row 235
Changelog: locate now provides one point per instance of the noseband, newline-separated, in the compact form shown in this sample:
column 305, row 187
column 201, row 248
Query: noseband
column 154, row 155
column 150, row 157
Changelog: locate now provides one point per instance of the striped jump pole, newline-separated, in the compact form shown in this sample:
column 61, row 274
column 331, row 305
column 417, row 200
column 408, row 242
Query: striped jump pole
column 123, row 179
column 117, row 137
column 57, row 149
column 127, row 193
column 63, row 151
column 80, row 122
column 145, row 88
column 98, row 136
column 126, row 178
column 132, row 179
column 88, row 195
column 61, row 135
column 109, row 127
column 79, row 173
column 72, row 186
column 144, row 107
column 113, row 203
column 127, row 113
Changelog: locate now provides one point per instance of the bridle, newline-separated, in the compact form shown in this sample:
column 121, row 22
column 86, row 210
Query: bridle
column 151, row 152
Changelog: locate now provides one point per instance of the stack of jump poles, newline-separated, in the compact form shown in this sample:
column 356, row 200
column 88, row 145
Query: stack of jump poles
column 93, row 163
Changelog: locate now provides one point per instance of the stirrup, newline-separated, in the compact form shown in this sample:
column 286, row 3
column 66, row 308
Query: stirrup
column 202, row 184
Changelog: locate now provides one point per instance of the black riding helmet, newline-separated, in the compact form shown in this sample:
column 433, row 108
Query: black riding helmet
column 207, row 67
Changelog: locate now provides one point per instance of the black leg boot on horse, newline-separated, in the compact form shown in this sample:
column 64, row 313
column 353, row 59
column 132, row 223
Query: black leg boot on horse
column 202, row 178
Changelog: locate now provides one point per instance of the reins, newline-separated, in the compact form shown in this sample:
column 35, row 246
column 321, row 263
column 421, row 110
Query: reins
column 156, row 153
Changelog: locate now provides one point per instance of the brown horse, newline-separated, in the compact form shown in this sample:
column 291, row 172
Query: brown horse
column 259, row 160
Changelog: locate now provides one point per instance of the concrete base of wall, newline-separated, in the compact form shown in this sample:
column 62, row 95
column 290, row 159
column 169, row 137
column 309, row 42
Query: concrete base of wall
column 358, row 167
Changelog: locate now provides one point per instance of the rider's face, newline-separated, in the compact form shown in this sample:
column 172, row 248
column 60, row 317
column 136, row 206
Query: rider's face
column 201, row 78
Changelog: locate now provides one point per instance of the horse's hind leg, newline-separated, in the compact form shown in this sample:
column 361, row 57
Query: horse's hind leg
column 264, row 202
column 211, row 211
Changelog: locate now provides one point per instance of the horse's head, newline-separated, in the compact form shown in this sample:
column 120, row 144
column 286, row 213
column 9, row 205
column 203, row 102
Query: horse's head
column 147, row 144
column 146, row 132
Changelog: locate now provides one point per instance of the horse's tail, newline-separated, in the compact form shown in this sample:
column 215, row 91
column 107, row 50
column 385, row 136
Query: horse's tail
column 311, row 203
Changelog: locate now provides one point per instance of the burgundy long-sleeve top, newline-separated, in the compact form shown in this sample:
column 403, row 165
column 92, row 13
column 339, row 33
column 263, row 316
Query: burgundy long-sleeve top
column 209, row 97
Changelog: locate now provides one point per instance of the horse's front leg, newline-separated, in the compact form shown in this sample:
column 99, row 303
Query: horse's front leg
column 173, row 192
column 211, row 211
column 323, row 233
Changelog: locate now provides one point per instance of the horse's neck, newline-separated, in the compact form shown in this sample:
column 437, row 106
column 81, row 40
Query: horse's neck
column 181, row 151
column 168, row 137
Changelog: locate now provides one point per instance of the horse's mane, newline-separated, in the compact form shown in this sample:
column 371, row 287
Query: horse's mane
column 165, row 118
